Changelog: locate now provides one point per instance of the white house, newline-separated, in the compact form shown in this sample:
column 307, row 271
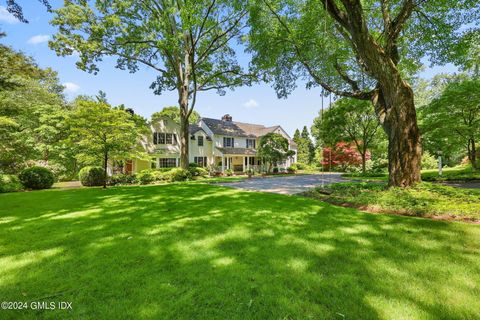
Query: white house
column 223, row 143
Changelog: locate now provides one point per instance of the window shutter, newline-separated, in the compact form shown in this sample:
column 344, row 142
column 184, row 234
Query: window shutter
column 233, row 143
column 155, row 141
column 224, row 142
column 175, row 141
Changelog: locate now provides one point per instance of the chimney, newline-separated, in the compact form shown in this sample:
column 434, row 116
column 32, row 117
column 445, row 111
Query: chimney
column 227, row 117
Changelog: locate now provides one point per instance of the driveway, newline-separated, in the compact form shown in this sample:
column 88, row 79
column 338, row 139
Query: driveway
column 286, row 184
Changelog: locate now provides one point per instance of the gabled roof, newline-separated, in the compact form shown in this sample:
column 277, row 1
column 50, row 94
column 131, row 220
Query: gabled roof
column 226, row 128
column 193, row 128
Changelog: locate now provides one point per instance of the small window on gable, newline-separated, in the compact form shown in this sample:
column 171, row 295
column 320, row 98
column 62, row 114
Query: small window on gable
column 200, row 141
column 228, row 142
column 168, row 138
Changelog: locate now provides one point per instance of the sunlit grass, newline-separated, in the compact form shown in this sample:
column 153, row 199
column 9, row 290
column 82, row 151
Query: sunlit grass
column 195, row 251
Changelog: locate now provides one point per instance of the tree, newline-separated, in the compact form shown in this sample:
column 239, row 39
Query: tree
column 101, row 133
column 187, row 44
column 308, row 149
column 16, row 10
column 173, row 113
column 342, row 155
column 273, row 148
column 365, row 50
column 32, row 110
column 454, row 118
column 349, row 120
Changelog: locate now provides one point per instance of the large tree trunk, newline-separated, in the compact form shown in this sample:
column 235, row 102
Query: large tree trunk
column 395, row 107
column 184, row 134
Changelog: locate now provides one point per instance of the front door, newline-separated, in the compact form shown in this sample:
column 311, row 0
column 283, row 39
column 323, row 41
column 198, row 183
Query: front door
column 128, row 167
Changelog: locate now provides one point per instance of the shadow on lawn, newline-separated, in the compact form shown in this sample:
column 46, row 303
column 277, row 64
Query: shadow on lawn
column 184, row 251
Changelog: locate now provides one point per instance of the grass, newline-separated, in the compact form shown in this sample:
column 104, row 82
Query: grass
column 425, row 199
column 197, row 251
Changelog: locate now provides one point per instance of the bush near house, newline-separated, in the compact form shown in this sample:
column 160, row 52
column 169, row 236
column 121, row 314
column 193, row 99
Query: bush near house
column 10, row 183
column 198, row 172
column 229, row 172
column 122, row 179
column 91, row 176
column 37, row 178
column 292, row 169
column 178, row 174
column 147, row 176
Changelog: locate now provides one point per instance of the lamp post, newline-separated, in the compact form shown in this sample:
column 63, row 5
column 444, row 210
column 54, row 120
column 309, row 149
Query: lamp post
column 440, row 163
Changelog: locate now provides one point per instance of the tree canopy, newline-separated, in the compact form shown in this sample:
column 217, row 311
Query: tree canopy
column 173, row 112
column 189, row 45
column 101, row 133
column 348, row 120
column 367, row 50
column 273, row 148
column 453, row 119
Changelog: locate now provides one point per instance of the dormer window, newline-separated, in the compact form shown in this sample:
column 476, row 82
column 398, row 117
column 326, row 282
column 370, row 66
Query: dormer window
column 228, row 142
column 251, row 143
column 164, row 138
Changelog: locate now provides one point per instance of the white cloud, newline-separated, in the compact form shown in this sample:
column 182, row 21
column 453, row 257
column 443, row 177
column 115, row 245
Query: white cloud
column 250, row 104
column 38, row 39
column 71, row 87
column 6, row 16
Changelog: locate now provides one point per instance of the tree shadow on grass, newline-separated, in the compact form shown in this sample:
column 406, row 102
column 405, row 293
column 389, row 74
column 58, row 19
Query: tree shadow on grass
column 197, row 251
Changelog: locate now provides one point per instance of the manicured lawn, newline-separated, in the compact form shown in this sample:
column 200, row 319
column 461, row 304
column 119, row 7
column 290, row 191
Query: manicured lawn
column 197, row 251
column 425, row 199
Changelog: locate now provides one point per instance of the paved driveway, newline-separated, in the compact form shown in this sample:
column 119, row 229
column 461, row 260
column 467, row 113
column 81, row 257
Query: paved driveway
column 286, row 184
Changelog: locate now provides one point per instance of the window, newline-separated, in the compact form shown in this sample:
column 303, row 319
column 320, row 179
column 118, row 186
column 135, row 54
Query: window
column 153, row 163
column 200, row 161
column 169, row 138
column 167, row 162
column 161, row 138
column 200, row 141
column 164, row 138
column 228, row 142
column 251, row 143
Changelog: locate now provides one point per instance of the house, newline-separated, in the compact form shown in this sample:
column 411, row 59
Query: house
column 224, row 143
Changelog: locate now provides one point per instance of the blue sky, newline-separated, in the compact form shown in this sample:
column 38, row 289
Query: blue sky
column 257, row 104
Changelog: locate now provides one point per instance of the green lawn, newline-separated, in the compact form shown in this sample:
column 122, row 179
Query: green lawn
column 197, row 251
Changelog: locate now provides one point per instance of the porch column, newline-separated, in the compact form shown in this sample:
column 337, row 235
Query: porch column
column 223, row 163
column 243, row 164
column 248, row 163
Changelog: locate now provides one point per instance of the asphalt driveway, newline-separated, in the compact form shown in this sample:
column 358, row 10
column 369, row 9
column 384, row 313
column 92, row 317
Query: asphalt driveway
column 286, row 184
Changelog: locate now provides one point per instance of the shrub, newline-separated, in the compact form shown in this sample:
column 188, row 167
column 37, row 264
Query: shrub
column 198, row 171
column 275, row 170
column 300, row 166
column 193, row 165
column 229, row 172
column 9, row 183
column 121, row 178
column 212, row 170
column 429, row 161
column 146, row 176
column 292, row 169
column 37, row 178
column 179, row 174
column 91, row 176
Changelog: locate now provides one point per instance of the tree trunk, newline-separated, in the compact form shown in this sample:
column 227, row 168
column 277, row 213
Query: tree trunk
column 105, row 165
column 473, row 154
column 184, row 134
column 395, row 108
column 364, row 167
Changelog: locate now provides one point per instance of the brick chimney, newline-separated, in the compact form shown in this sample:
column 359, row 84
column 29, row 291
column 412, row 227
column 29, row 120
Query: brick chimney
column 227, row 117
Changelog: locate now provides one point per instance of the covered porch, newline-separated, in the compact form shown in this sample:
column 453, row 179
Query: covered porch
column 239, row 160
